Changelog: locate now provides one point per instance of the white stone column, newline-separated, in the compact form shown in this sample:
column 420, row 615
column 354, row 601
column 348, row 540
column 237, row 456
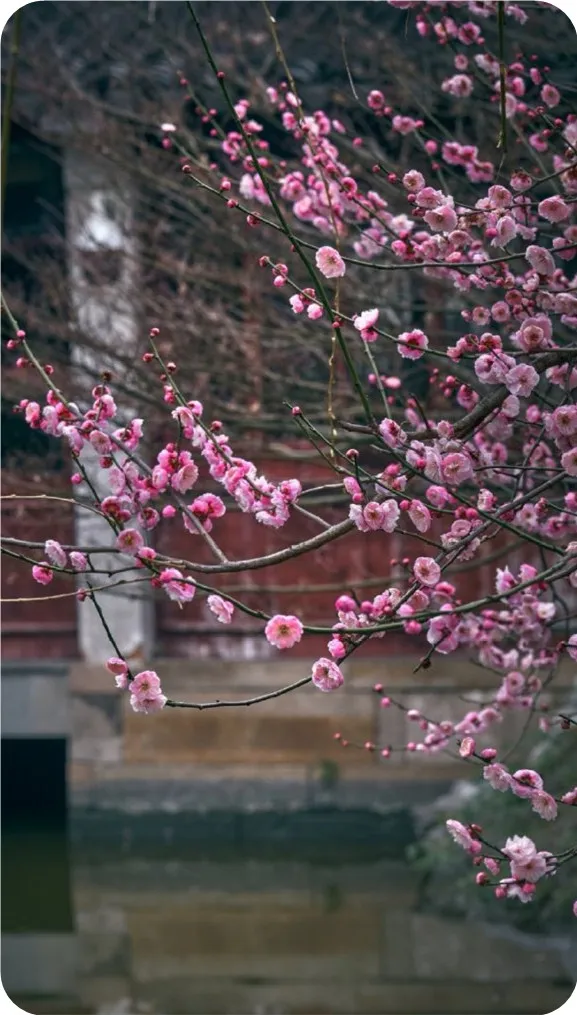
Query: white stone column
column 103, row 273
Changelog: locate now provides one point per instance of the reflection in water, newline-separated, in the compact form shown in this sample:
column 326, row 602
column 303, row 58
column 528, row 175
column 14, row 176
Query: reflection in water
column 176, row 933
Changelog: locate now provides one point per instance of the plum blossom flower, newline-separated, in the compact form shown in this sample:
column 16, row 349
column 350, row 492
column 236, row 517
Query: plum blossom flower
column 413, row 181
column 55, row 553
column 314, row 311
column 391, row 432
column 365, row 323
column 467, row 747
column 572, row 647
column 42, row 573
column 373, row 514
column 412, row 344
column 456, row 468
column 366, row 319
column 145, row 683
column 520, row 849
column 530, row 870
column 550, row 96
column 540, row 259
column 419, row 515
column 336, row 648
column 329, row 262
column 521, row 380
column 326, row 675
column 442, row 218
column 147, row 703
column 525, row 781
column 544, row 805
column 497, row 776
column 462, row 836
column 146, row 692
column 554, row 209
column 116, row 666
column 283, row 631
column 426, row 571
column 78, row 560
column 222, row 609
column 185, row 478
column 391, row 515
column 176, row 587
column 505, row 231
column 129, row 541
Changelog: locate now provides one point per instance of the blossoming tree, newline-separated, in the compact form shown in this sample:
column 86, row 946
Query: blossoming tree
column 494, row 230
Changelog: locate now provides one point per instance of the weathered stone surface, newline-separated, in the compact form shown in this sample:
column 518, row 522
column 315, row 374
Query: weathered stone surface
column 35, row 704
column 96, row 728
column 296, row 938
column 228, row 736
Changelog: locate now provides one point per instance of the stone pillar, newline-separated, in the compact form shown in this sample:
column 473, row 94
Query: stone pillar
column 102, row 265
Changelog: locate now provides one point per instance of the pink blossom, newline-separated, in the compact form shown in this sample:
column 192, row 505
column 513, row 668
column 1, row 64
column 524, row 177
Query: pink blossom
column 326, row 675
column 222, row 609
column 420, row 516
column 505, row 231
column 367, row 319
column 390, row 516
column 540, row 259
column 467, row 747
column 438, row 496
column 373, row 514
column 521, row 380
column 148, row 703
column 314, row 311
column 78, row 560
column 426, row 571
column 572, row 646
column 442, row 218
column 460, row 85
column 520, row 849
column 524, row 781
column 55, row 553
column 336, row 648
column 129, row 541
column 462, row 836
column 283, row 631
column 116, row 666
column 456, row 468
column 531, row 870
column 297, row 303
column 413, row 181
column 412, row 344
column 146, row 692
column 329, row 262
column 550, row 96
column 497, row 776
column 544, row 804
column 42, row 573
column 391, row 432
column 185, row 478
column 429, row 198
column 554, row 209
column 145, row 683
column 176, row 587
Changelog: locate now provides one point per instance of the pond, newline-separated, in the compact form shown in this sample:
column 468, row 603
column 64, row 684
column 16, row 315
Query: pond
column 114, row 927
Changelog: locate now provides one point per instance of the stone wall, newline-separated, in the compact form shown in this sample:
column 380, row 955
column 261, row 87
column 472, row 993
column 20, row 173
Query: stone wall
column 272, row 937
column 276, row 754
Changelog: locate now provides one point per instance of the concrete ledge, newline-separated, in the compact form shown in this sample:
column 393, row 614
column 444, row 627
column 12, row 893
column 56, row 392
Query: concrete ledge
column 39, row 963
